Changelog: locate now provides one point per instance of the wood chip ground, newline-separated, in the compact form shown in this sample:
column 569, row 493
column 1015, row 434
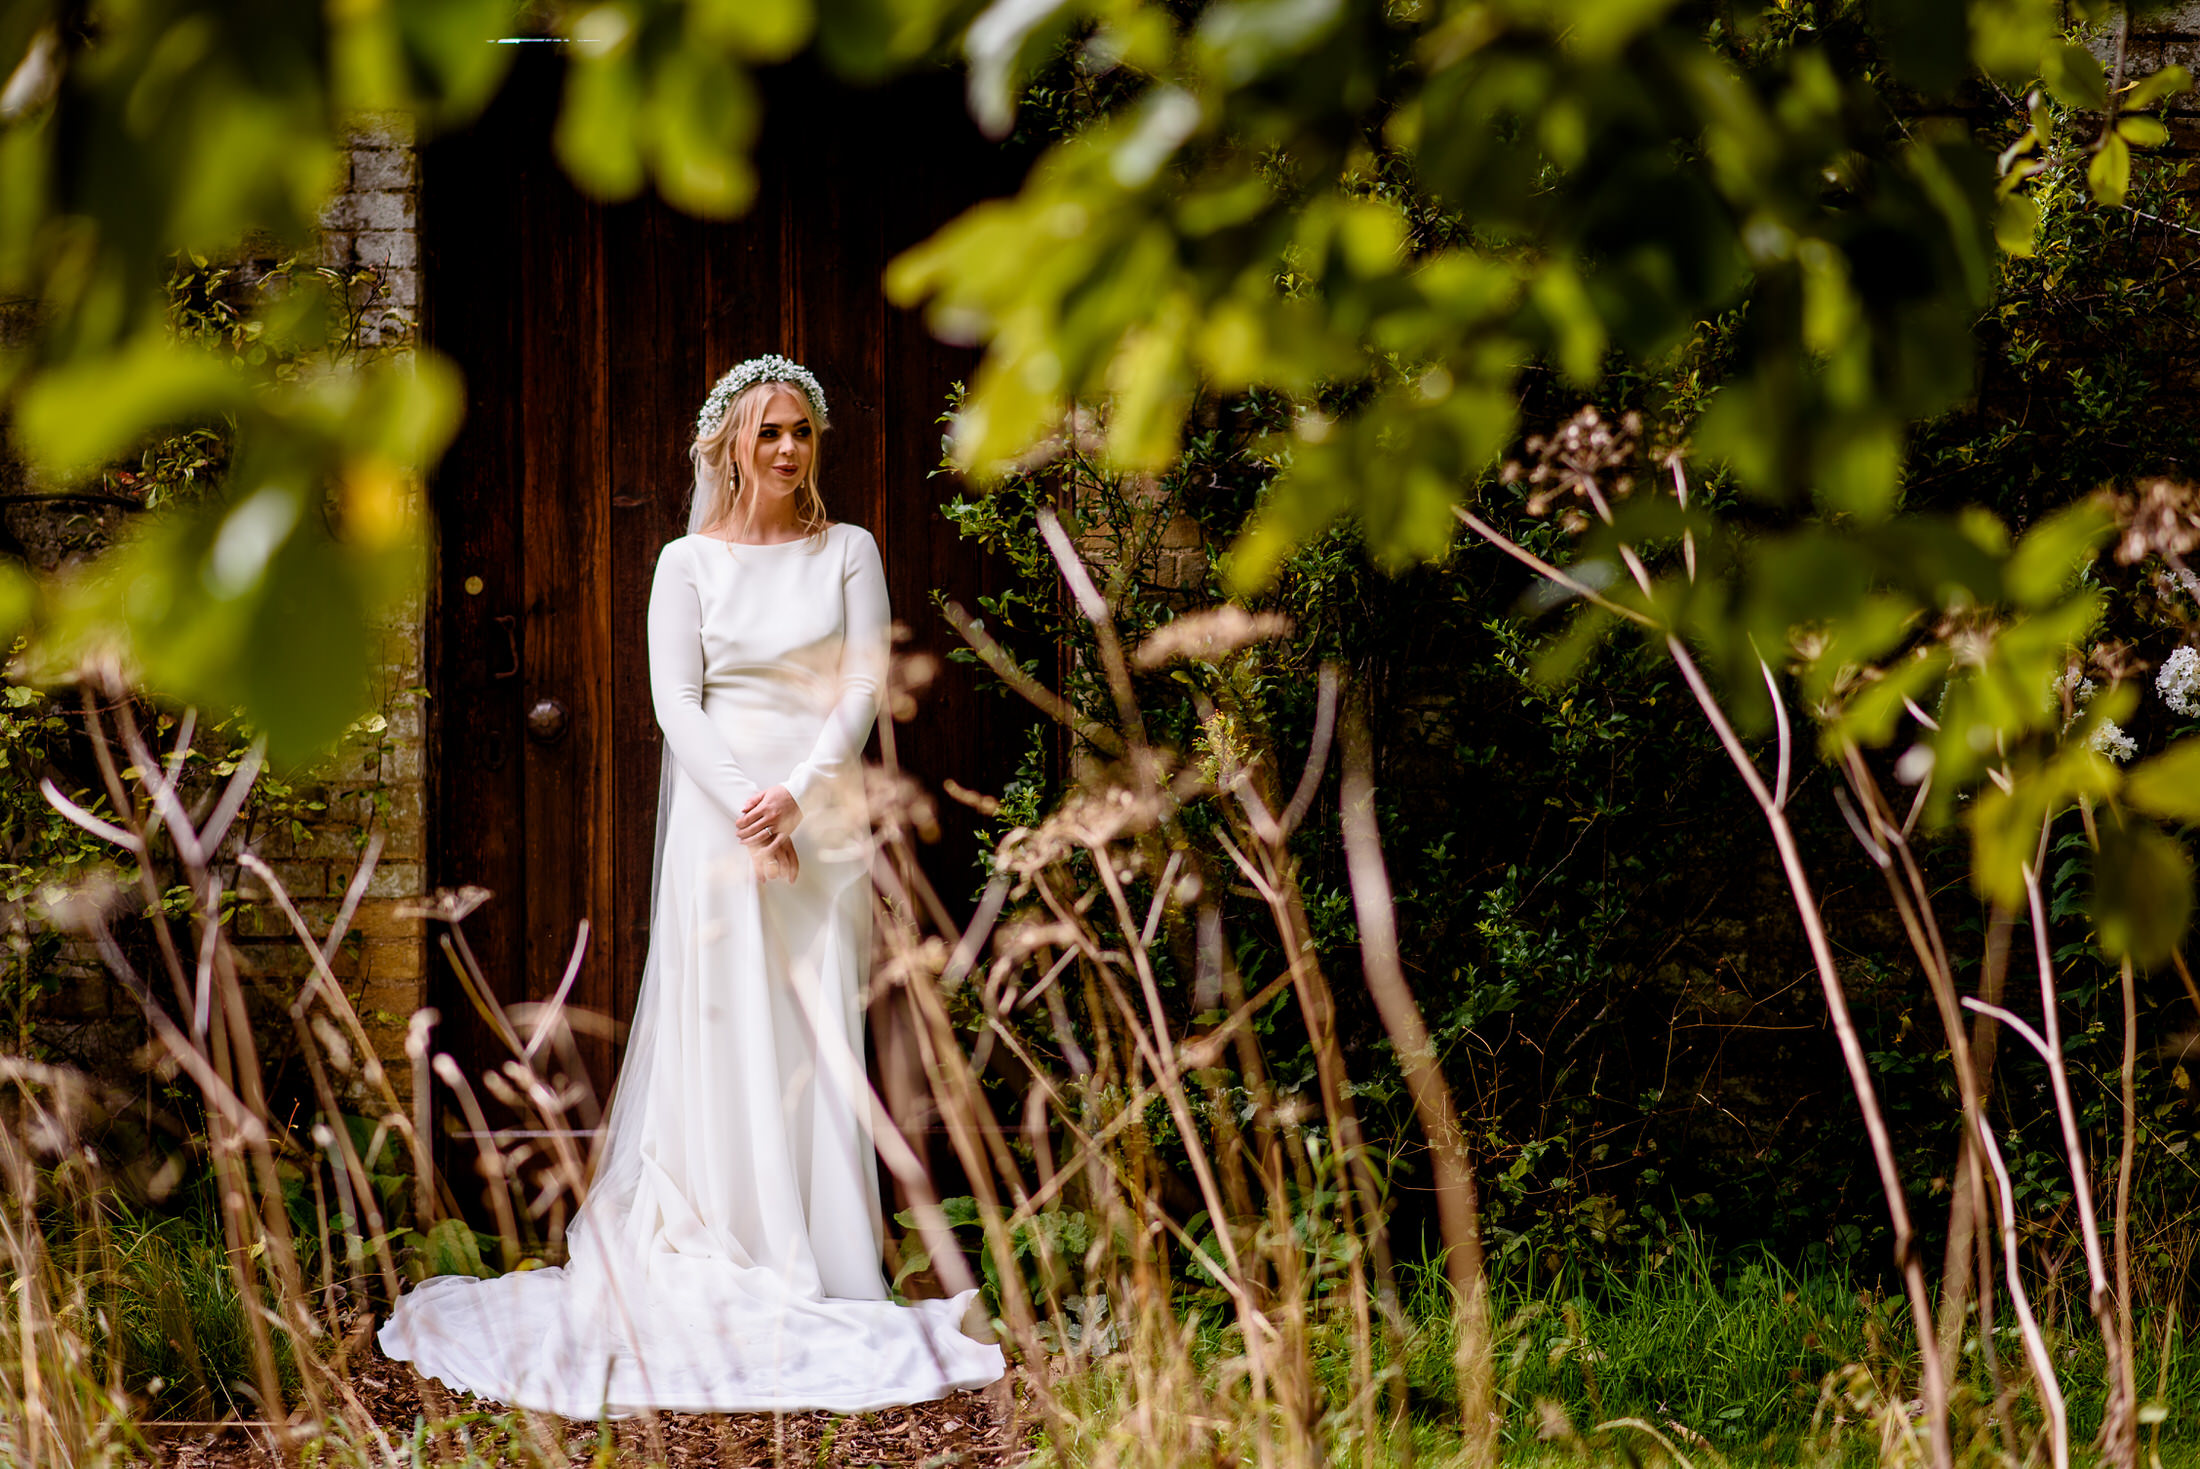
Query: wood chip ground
column 967, row 1431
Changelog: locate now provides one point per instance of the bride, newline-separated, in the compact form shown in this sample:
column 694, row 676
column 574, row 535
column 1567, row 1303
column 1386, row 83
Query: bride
column 727, row 1256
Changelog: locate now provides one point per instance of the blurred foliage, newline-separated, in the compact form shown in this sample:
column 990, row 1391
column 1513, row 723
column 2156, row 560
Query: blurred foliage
column 1609, row 175
column 134, row 133
column 1389, row 215
column 1589, row 910
column 140, row 145
column 1321, row 266
column 1394, row 216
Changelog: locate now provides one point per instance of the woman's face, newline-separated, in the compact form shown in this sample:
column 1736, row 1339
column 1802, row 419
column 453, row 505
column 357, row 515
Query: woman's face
column 785, row 441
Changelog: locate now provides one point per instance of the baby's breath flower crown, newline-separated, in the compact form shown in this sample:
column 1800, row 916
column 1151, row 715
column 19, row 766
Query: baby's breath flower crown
column 770, row 368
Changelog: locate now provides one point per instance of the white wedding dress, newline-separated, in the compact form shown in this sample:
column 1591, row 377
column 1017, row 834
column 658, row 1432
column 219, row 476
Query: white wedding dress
column 727, row 1256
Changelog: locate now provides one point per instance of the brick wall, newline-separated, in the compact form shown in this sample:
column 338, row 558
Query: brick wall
column 2157, row 40
column 378, row 788
column 373, row 224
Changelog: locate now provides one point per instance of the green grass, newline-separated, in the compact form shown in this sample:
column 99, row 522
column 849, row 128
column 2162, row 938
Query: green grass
column 1738, row 1352
column 1767, row 1363
column 166, row 1307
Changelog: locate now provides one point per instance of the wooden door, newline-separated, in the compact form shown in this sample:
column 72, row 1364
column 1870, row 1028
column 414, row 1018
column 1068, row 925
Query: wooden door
column 589, row 335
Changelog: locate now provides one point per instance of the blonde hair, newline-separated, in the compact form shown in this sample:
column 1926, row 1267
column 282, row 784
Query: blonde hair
column 720, row 455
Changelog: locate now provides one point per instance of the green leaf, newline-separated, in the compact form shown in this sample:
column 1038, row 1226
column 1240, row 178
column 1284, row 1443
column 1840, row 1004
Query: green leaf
column 373, row 1159
column 2141, row 131
column 866, row 40
column 598, row 129
column 756, row 30
column 254, row 605
column 1232, row 345
column 1871, row 716
column 2109, row 174
column 1409, row 517
column 1373, row 237
column 18, row 595
column 2075, row 77
column 1860, row 468
column 450, row 39
column 2168, row 785
column 2148, row 90
column 1152, row 389
column 1600, row 29
column 1301, row 502
column 402, row 411
column 451, row 1248
column 913, row 1260
column 2008, row 35
column 1830, row 307
column 1733, row 430
column 2005, row 824
column 700, row 119
column 1574, row 323
column 2053, row 552
column 75, row 416
column 1563, row 657
column 2142, row 893
column 2017, row 224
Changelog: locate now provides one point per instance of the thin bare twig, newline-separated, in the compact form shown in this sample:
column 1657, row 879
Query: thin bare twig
column 1537, row 564
column 1458, row 1210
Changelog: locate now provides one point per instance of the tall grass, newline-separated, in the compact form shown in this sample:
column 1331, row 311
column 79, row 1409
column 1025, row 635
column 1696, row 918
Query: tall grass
column 1188, row 1258
column 175, row 1321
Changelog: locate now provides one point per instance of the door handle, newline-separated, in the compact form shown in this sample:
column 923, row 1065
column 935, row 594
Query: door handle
column 546, row 721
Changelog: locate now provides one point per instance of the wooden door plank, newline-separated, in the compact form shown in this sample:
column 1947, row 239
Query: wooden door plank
column 594, row 762
column 822, row 141
column 744, row 313
column 565, row 499
column 654, row 269
column 477, row 190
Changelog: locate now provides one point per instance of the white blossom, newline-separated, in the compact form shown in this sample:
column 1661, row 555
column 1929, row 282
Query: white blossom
column 2110, row 740
column 2178, row 681
column 2108, row 737
column 2080, row 688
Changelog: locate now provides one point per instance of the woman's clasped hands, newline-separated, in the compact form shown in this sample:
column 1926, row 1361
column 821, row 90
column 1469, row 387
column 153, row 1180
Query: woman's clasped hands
column 766, row 827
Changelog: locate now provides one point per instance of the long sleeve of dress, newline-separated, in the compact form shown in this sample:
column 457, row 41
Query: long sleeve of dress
column 863, row 653
column 676, row 684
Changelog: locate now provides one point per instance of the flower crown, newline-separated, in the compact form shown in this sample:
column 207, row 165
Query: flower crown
column 770, row 368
